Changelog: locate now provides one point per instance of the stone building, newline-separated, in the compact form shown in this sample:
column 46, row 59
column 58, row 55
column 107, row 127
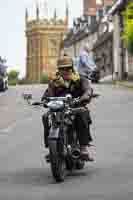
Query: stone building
column 78, row 36
column 43, row 44
column 123, row 61
column 86, row 29
column 97, row 33
column 103, row 53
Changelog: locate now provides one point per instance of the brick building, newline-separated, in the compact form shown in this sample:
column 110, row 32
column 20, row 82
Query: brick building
column 93, row 9
column 90, row 7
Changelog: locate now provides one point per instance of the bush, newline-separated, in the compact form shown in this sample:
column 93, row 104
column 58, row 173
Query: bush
column 44, row 78
column 23, row 81
column 12, row 82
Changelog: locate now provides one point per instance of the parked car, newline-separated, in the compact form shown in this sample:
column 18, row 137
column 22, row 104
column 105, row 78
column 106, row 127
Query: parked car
column 3, row 78
column 94, row 74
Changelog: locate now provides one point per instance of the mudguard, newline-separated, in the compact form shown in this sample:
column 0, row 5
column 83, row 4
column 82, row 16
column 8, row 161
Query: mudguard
column 55, row 141
column 54, row 133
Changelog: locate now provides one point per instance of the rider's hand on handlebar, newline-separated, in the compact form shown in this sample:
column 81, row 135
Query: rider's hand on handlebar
column 85, row 100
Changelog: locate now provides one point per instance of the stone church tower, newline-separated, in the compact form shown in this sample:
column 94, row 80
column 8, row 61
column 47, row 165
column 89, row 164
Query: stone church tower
column 43, row 44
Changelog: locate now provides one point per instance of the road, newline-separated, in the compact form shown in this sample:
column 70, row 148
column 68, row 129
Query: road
column 24, row 175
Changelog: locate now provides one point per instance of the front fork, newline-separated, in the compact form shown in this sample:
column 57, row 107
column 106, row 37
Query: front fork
column 56, row 140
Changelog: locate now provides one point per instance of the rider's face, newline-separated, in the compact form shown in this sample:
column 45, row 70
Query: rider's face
column 66, row 73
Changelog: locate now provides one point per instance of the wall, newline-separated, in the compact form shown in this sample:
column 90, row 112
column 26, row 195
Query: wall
column 75, row 48
column 116, row 48
column 103, row 54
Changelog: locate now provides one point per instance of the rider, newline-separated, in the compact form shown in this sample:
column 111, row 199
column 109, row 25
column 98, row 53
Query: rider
column 85, row 61
column 69, row 81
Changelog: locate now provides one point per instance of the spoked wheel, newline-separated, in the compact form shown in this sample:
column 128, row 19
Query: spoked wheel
column 58, row 166
column 69, row 164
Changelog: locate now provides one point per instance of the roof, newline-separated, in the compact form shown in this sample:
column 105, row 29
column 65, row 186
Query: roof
column 118, row 6
column 102, row 39
column 72, row 37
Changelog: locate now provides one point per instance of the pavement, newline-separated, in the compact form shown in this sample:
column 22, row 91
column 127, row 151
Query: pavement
column 24, row 174
column 127, row 84
column 123, row 83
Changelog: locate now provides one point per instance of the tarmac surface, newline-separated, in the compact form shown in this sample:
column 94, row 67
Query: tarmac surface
column 24, row 175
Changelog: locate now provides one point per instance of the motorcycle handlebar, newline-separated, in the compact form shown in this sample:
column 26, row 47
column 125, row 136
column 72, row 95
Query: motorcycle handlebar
column 47, row 99
column 77, row 110
column 37, row 104
column 74, row 101
column 58, row 98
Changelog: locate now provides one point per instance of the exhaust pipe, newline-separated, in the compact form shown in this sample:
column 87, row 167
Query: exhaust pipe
column 75, row 153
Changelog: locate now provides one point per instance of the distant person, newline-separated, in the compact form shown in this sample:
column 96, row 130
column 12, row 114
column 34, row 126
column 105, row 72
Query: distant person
column 85, row 61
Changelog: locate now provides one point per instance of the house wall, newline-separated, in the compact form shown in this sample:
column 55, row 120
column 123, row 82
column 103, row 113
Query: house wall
column 116, row 48
column 123, row 61
column 75, row 48
column 130, row 66
column 103, row 54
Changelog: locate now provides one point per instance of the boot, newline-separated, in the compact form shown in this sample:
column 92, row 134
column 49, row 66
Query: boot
column 86, row 154
column 47, row 158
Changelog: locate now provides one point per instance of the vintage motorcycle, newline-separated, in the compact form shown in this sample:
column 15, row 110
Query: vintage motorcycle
column 64, row 149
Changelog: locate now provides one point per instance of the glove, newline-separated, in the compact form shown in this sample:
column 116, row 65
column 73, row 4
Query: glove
column 59, row 82
column 85, row 99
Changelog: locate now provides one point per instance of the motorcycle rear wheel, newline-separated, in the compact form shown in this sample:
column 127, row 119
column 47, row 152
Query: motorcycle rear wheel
column 69, row 164
column 80, row 164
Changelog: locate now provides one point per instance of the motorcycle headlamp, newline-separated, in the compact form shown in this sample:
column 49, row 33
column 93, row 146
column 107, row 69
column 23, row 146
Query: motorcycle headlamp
column 56, row 105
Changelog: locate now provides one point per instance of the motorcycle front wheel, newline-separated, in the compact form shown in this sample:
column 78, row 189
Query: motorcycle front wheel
column 57, row 162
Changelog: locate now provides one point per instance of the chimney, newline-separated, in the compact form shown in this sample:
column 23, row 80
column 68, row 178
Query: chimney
column 89, row 7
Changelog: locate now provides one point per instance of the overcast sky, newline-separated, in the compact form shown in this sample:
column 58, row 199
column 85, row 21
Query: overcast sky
column 12, row 21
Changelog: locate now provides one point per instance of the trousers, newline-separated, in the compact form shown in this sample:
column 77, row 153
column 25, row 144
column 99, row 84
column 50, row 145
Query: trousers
column 82, row 124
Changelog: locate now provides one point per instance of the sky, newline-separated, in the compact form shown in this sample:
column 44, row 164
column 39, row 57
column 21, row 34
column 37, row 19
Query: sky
column 12, row 21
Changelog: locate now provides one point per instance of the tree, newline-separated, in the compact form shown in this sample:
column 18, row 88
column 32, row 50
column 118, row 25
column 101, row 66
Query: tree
column 128, row 27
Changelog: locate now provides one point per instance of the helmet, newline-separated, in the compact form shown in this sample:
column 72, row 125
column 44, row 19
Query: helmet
column 65, row 62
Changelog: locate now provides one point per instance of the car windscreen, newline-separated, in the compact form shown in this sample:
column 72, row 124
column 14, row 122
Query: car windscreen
column 3, row 70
